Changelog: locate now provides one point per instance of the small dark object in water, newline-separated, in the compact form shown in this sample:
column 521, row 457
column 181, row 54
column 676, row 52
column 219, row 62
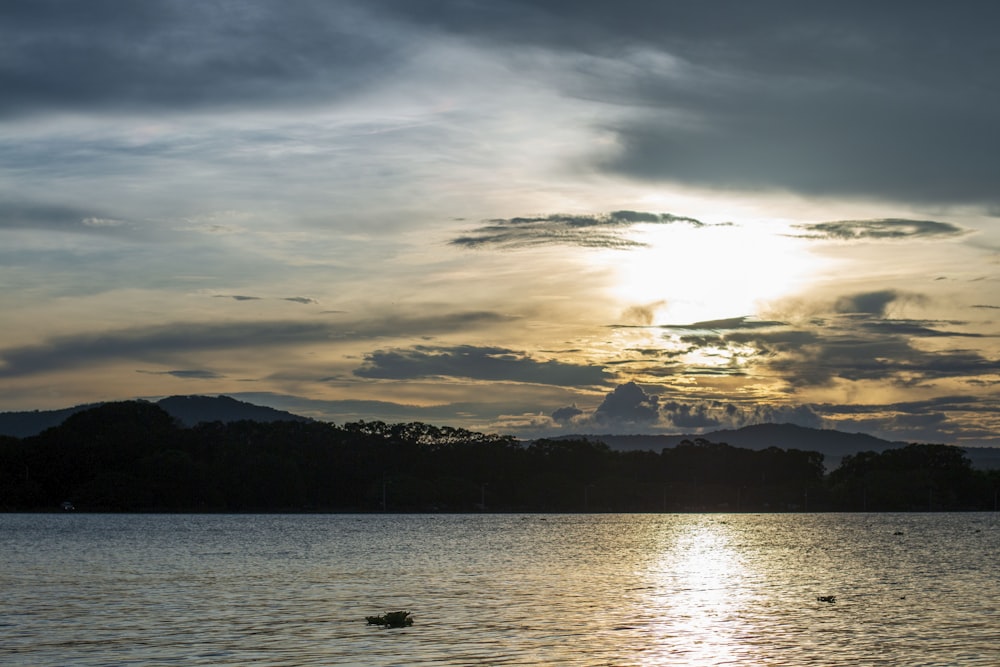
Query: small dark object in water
column 826, row 598
column 391, row 619
column 898, row 532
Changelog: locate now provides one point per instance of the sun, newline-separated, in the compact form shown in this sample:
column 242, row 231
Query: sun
column 695, row 274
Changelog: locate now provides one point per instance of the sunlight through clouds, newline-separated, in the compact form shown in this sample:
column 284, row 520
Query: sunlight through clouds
column 484, row 212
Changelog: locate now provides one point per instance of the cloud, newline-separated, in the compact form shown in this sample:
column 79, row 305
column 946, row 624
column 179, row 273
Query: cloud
column 628, row 404
column 857, row 99
column 855, row 340
column 689, row 415
column 479, row 363
column 642, row 315
column 566, row 414
column 882, row 229
column 161, row 342
column 728, row 324
column 238, row 297
column 588, row 231
column 188, row 374
column 58, row 217
column 165, row 54
column 300, row 299
column 629, row 407
column 875, row 302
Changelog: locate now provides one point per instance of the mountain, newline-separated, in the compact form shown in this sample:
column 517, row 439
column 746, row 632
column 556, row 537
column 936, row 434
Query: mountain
column 834, row 445
column 188, row 410
column 192, row 410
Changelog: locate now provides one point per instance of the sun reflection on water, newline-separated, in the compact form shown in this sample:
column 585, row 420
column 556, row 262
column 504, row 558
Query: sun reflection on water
column 700, row 586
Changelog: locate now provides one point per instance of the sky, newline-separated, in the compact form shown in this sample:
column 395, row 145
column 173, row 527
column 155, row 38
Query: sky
column 514, row 216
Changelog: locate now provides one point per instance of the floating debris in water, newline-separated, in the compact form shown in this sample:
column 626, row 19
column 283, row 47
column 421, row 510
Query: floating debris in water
column 898, row 532
column 391, row 619
column 826, row 598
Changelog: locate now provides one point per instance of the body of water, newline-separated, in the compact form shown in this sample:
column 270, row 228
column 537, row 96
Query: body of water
column 681, row 589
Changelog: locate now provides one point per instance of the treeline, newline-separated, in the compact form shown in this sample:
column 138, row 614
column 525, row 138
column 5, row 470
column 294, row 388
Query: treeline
column 132, row 456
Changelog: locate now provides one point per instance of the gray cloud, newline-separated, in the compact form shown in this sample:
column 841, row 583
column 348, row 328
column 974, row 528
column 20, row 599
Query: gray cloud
column 589, row 231
column 238, row 297
column 885, row 228
column 874, row 303
column 566, row 414
column 57, row 217
column 858, row 341
column 300, row 299
column 629, row 407
column 170, row 54
column 628, row 404
column 159, row 343
column 689, row 415
column 480, row 363
column 863, row 99
column 188, row 374
column 728, row 324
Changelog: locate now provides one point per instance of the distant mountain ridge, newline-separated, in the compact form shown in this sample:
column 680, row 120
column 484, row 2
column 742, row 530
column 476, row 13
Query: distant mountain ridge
column 834, row 445
column 188, row 410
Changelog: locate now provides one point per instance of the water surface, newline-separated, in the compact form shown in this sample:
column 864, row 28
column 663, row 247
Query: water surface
column 911, row 589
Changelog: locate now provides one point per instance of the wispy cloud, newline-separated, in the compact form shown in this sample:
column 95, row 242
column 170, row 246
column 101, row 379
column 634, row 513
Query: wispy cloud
column 589, row 231
column 884, row 229
column 160, row 343
column 479, row 363
column 188, row 374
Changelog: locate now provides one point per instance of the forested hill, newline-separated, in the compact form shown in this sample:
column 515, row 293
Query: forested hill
column 134, row 456
column 189, row 410
column 833, row 445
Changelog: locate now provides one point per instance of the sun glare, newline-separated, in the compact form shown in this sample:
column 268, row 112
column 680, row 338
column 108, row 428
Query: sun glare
column 701, row 583
column 705, row 273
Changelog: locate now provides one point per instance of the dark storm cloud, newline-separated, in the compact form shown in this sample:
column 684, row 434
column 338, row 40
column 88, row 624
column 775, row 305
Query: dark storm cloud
column 478, row 363
column 160, row 343
column 886, row 228
column 589, row 231
column 850, row 98
column 103, row 54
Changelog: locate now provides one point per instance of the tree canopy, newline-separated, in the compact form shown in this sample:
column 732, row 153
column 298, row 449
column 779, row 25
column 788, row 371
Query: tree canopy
column 132, row 456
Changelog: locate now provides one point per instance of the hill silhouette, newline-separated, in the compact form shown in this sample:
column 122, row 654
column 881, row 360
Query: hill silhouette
column 188, row 410
column 192, row 410
column 134, row 456
column 833, row 445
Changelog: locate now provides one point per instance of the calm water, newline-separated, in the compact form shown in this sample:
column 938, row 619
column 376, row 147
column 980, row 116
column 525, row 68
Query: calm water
column 911, row 589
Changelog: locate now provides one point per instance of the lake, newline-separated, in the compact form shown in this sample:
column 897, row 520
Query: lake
column 534, row 589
